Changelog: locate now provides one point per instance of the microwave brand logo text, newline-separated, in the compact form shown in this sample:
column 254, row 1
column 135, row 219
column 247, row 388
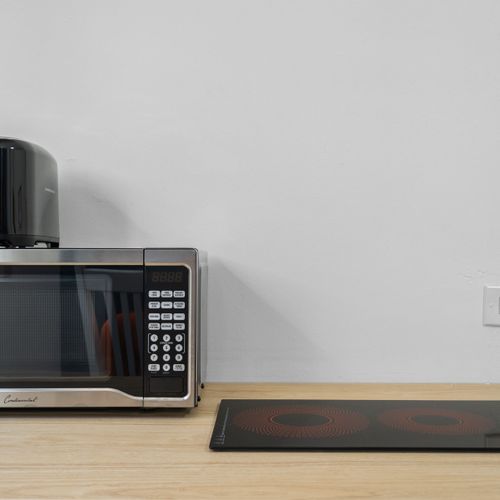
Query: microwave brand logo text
column 9, row 399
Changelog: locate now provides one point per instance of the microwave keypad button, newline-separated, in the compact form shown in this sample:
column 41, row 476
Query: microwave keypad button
column 166, row 326
column 179, row 348
column 179, row 367
column 153, row 337
column 166, row 294
column 154, row 357
column 166, row 305
column 153, row 347
column 153, row 367
column 179, row 326
column 179, row 317
column 179, row 294
column 166, row 347
column 166, row 367
column 154, row 316
column 178, row 357
column 179, row 337
column 154, row 326
column 166, row 316
column 166, row 338
column 179, row 305
column 154, row 305
column 154, row 294
column 166, row 357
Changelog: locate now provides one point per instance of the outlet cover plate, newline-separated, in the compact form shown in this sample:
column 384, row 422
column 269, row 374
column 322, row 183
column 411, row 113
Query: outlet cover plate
column 491, row 306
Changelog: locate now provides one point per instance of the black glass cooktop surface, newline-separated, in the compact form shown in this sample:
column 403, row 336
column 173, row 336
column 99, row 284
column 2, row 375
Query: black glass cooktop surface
column 353, row 424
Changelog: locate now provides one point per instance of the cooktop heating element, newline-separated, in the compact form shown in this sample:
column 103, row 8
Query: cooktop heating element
column 350, row 425
column 300, row 421
column 438, row 421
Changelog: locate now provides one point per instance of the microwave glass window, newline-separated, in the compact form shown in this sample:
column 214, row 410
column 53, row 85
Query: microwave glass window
column 82, row 323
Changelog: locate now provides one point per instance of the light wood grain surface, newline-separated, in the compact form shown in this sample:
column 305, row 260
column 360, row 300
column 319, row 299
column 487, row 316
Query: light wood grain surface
column 166, row 456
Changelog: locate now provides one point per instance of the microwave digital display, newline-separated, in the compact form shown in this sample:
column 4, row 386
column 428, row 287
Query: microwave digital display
column 166, row 277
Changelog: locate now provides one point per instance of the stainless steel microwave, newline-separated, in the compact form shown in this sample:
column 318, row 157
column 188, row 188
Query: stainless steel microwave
column 101, row 327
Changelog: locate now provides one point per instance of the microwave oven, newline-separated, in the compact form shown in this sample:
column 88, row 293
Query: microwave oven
column 101, row 327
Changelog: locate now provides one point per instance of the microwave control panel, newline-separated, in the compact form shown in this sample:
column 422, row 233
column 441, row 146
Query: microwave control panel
column 166, row 318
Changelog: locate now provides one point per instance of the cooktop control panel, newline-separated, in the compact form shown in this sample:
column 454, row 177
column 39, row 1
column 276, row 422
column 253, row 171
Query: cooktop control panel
column 167, row 331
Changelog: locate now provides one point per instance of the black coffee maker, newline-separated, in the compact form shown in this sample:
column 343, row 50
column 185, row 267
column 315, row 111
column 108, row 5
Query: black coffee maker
column 29, row 209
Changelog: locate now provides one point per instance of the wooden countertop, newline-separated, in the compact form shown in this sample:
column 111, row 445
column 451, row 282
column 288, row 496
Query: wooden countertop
column 166, row 456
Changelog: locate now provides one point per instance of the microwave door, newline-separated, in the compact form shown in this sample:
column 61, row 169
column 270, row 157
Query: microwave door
column 73, row 326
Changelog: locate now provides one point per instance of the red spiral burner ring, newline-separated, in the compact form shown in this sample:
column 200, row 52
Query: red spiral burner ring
column 451, row 422
column 323, row 422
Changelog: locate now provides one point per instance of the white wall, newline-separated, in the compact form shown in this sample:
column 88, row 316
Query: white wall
column 339, row 161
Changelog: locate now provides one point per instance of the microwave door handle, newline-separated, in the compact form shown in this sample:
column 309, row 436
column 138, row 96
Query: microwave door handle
column 127, row 331
column 89, row 323
column 138, row 322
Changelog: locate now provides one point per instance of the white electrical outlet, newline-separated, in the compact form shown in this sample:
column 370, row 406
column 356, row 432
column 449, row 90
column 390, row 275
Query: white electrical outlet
column 491, row 306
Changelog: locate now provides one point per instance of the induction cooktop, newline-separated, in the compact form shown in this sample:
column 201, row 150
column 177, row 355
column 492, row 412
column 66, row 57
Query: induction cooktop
column 356, row 425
